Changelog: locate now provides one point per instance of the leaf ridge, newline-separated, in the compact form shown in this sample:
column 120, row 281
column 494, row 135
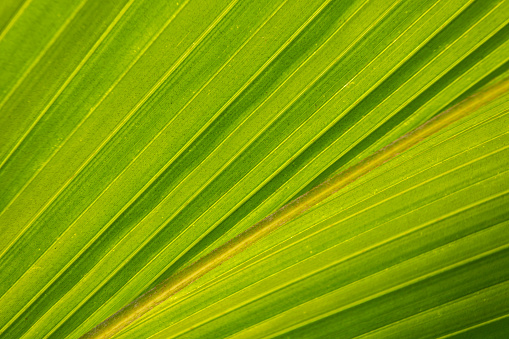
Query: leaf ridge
column 119, row 126
column 342, row 259
column 330, row 146
column 13, row 20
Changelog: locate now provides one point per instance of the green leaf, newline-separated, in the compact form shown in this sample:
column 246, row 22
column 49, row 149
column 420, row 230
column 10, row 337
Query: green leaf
column 137, row 136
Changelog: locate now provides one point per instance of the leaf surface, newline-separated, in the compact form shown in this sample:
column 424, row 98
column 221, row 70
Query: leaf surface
column 137, row 136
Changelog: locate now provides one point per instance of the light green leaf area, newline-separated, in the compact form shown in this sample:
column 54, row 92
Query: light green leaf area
column 387, row 256
column 137, row 136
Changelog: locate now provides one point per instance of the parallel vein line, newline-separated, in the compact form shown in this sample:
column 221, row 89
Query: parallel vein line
column 325, row 267
column 207, row 232
column 384, row 242
column 122, row 123
column 309, row 143
column 394, row 288
column 228, row 274
column 449, row 335
column 68, row 80
column 41, row 54
column 224, row 107
column 196, row 43
column 329, row 126
column 297, row 190
column 14, row 19
column 92, row 110
column 247, row 302
column 408, row 100
column 217, row 173
column 434, row 309
column 356, row 254
column 196, row 270
column 307, row 237
column 131, row 201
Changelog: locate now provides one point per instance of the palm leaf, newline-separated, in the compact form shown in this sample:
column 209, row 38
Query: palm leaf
column 137, row 136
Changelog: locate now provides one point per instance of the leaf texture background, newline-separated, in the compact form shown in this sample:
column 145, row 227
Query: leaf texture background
column 136, row 136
